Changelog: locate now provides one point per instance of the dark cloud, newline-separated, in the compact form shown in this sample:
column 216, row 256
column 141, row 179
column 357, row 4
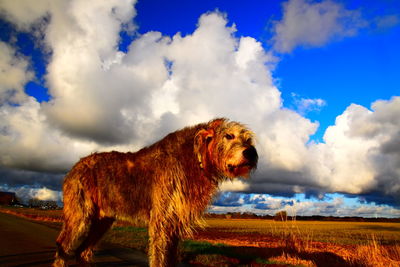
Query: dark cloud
column 19, row 178
column 379, row 198
column 262, row 206
column 229, row 199
column 287, row 202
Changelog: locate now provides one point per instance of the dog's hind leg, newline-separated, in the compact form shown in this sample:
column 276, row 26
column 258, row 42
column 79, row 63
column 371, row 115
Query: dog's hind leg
column 70, row 236
column 97, row 229
column 78, row 215
column 74, row 231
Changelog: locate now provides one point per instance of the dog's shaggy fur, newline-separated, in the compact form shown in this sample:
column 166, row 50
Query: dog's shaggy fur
column 168, row 184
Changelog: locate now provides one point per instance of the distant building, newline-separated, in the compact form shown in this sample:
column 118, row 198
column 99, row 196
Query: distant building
column 8, row 198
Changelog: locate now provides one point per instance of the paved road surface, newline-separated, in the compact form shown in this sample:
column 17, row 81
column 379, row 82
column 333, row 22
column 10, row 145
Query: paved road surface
column 28, row 243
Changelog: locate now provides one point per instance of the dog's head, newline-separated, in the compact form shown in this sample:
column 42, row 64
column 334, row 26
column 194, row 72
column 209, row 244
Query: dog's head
column 227, row 147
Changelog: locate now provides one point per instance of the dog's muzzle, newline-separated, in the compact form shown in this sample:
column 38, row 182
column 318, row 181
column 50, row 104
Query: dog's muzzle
column 250, row 154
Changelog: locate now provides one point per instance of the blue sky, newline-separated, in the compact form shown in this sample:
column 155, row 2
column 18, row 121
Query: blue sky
column 316, row 80
column 357, row 70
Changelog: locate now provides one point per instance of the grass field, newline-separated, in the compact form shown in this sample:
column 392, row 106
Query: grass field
column 353, row 233
column 254, row 242
column 310, row 243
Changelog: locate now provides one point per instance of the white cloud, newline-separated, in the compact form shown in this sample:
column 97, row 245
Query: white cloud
column 355, row 149
column 360, row 155
column 310, row 24
column 24, row 13
column 306, row 105
column 14, row 74
column 87, row 76
column 26, row 193
column 234, row 185
column 102, row 97
column 28, row 142
column 41, row 194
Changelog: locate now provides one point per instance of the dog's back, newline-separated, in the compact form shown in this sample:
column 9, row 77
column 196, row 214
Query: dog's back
column 109, row 183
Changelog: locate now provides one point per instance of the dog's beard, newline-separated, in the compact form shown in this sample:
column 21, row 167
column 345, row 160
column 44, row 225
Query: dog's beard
column 241, row 170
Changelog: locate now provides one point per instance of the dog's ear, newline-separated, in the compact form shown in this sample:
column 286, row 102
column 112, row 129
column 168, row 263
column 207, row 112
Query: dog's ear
column 216, row 123
column 201, row 141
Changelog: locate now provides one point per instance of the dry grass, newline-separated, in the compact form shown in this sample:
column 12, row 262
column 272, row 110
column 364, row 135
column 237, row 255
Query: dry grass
column 312, row 243
column 286, row 258
column 376, row 254
column 34, row 214
column 343, row 233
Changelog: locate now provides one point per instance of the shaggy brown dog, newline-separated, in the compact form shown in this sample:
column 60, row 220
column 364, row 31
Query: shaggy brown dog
column 168, row 184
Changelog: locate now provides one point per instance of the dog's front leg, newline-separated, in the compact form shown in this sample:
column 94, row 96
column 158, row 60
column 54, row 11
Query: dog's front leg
column 163, row 243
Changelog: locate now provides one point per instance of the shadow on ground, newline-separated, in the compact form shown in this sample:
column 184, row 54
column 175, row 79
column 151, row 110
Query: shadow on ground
column 103, row 258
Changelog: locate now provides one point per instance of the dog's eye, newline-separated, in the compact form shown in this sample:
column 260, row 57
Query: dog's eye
column 229, row 136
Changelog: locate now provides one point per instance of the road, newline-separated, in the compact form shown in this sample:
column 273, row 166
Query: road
column 29, row 243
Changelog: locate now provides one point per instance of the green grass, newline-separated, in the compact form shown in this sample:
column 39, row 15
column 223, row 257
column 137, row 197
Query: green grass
column 130, row 229
column 208, row 254
column 197, row 248
column 128, row 236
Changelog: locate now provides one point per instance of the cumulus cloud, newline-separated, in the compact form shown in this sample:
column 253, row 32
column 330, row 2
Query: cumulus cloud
column 104, row 99
column 363, row 149
column 14, row 74
column 25, row 14
column 313, row 24
column 28, row 142
column 359, row 155
column 86, row 76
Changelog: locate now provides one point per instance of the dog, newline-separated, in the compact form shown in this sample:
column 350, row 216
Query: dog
column 167, row 184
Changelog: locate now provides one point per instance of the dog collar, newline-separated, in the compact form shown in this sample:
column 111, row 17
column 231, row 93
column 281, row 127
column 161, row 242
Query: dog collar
column 199, row 159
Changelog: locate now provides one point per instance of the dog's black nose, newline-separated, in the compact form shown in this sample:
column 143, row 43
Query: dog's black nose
column 251, row 154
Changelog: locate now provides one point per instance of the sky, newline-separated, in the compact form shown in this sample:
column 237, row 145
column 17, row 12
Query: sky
column 317, row 81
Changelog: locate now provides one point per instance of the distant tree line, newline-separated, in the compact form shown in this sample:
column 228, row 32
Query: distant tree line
column 282, row 216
